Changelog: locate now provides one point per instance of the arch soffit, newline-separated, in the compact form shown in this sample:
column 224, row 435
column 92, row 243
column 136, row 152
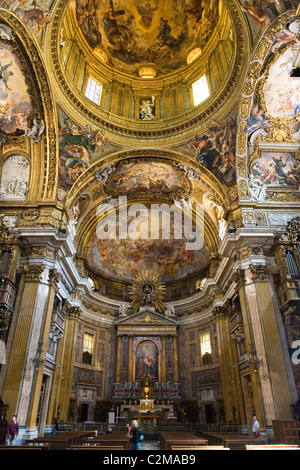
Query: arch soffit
column 89, row 193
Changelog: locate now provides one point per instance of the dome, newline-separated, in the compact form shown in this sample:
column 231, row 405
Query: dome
column 155, row 33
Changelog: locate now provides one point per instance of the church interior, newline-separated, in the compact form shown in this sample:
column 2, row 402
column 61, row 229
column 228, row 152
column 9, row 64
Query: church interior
column 150, row 219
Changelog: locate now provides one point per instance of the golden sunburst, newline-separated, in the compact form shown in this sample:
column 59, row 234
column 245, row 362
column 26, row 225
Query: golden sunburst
column 147, row 289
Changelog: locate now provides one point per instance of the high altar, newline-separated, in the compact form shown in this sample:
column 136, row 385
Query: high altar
column 146, row 380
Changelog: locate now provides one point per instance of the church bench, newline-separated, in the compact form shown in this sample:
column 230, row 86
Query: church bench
column 199, row 448
column 95, row 447
column 272, row 447
column 23, row 447
column 61, row 440
column 232, row 440
column 167, row 439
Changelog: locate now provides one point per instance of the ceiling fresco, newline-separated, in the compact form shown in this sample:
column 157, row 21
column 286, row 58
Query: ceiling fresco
column 156, row 32
column 123, row 259
column 15, row 103
column 146, row 177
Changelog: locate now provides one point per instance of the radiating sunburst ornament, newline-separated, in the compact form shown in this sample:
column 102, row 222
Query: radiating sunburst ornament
column 147, row 289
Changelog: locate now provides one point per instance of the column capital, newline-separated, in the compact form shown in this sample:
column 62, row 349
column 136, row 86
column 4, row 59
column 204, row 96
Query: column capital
column 221, row 312
column 260, row 272
column 54, row 278
column 239, row 278
column 72, row 312
column 33, row 272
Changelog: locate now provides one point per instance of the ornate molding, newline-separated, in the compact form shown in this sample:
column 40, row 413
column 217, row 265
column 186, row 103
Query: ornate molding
column 292, row 233
column 5, row 316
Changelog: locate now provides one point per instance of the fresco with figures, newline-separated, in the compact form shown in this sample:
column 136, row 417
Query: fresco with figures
column 215, row 150
column 15, row 103
column 277, row 168
column 281, row 92
column 77, row 146
column 35, row 15
column 262, row 13
column 152, row 31
column 145, row 176
column 125, row 258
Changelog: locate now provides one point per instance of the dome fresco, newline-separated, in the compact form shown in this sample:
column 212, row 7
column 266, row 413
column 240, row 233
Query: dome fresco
column 161, row 33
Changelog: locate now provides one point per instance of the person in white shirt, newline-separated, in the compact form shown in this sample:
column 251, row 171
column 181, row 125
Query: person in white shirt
column 255, row 427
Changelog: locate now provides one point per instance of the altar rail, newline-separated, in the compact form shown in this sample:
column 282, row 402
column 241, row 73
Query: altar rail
column 191, row 427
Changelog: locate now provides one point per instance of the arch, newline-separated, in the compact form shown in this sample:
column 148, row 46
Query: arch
column 43, row 152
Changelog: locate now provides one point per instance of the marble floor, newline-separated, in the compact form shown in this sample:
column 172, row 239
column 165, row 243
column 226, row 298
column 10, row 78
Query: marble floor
column 150, row 445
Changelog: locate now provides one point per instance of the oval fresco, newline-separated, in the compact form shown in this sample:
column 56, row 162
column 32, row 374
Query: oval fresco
column 124, row 258
column 149, row 31
column 282, row 92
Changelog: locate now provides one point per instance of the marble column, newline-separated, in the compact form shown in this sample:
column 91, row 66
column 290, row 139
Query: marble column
column 118, row 359
column 164, row 360
column 54, row 278
column 231, row 386
column 26, row 352
column 66, row 360
column 175, row 359
column 270, row 385
column 130, row 360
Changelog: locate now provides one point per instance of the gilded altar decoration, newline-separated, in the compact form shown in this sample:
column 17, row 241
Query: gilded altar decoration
column 147, row 289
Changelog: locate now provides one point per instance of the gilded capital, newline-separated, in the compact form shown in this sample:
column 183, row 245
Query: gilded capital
column 54, row 278
column 239, row 278
column 222, row 312
column 260, row 272
column 72, row 312
column 33, row 272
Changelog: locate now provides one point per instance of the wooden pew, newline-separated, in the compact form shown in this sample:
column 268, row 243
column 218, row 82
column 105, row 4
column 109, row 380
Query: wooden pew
column 272, row 447
column 199, row 448
column 61, row 440
column 116, row 438
column 95, row 447
column 23, row 447
column 179, row 438
column 232, row 440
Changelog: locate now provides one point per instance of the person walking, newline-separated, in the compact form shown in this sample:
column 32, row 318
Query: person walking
column 255, row 427
column 13, row 430
column 136, row 434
